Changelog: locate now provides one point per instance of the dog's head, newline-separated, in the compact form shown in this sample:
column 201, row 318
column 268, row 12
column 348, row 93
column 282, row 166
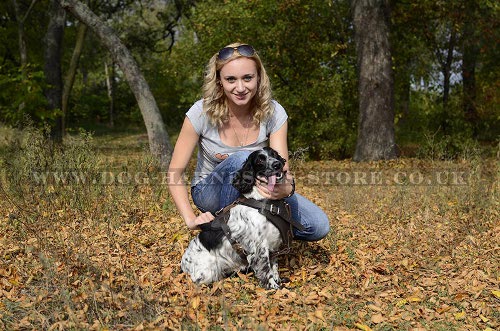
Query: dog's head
column 265, row 163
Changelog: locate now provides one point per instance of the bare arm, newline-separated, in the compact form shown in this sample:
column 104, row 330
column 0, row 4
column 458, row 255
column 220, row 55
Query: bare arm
column 278, row 142
column 184, row 147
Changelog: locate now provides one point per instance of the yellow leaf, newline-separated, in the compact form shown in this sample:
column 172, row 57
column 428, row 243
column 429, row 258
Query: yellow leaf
column 14, row 281
column 401, row 303
column 496, row 293
column 460, row 315
column 488, row 329
column 484, row 318
column 363, row 327
column 195, row 302
column 414, row 299
column 176, row 237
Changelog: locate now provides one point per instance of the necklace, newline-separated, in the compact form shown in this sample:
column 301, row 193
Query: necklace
column 247, row 126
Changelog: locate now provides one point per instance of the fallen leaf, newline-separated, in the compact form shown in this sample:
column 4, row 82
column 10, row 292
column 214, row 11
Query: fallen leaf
column 374, row 307
column 377, row 318
column 444, row 308
column 460, row 315
column 428, row 282
column 414, row 299
column 401, row 303
column 319, row 314
column 496, row 293
column 362, row 327
column 195, row 302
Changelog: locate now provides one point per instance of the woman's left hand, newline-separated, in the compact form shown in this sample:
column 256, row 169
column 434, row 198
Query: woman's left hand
column 279, row 191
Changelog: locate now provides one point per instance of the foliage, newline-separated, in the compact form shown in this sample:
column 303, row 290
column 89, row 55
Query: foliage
column 307, row 47
column 419, row 255
column 420, row 33
column 308, row 78
column 21, row 95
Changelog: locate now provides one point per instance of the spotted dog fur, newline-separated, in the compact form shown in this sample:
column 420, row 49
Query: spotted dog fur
column 210, row 256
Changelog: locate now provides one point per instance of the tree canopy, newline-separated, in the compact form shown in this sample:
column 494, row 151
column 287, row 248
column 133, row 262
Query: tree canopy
column 443, row 53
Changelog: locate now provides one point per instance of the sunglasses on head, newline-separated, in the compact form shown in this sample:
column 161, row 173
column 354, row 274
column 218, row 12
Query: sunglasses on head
column 227, row 52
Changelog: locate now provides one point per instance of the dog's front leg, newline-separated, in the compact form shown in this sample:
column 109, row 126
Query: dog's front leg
column 264, row 271
column 274, row 269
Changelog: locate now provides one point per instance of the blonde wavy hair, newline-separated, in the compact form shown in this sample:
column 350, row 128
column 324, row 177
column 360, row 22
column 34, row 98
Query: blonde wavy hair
column 215, row 101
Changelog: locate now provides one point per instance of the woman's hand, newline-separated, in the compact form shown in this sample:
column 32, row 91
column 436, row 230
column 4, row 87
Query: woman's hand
column 279, row 191
column 200, row 219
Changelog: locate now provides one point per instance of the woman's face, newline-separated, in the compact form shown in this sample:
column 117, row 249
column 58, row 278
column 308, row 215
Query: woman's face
column 239, row 80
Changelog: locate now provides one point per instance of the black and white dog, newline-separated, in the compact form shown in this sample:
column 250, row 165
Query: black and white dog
column 245, row 238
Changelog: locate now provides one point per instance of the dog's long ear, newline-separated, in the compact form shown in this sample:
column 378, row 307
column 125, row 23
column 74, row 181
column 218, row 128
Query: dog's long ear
column 275, row 154
column 282, row 160
column 244, row 179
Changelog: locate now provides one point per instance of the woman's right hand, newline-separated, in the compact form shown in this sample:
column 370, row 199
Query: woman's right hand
column 200, row 219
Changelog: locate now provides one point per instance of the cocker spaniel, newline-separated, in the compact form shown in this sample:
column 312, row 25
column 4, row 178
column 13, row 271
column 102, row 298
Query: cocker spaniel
column 244, row 236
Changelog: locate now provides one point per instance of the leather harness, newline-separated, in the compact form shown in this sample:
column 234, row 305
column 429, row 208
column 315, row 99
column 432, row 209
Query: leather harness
column 276, row 211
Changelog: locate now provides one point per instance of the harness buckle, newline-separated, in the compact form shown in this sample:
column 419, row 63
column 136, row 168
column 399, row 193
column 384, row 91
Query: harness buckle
column 273, row 209
column 218, row 212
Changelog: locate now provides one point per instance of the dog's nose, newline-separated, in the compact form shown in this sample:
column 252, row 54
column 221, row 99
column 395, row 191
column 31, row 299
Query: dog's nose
column 276, row 165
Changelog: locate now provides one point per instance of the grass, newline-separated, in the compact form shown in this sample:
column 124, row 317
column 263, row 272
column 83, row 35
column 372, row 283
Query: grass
column 403, row 254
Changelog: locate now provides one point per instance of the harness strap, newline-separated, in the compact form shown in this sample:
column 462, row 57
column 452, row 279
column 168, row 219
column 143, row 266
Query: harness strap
column 276, row 211
column 272, row 208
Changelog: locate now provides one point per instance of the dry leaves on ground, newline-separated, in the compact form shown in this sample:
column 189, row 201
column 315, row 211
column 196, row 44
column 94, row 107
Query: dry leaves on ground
column 413, row 257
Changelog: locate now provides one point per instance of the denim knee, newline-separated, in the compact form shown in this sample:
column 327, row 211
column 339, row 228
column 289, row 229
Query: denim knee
column 322, row 227
column 313, row 218
column 235, row 161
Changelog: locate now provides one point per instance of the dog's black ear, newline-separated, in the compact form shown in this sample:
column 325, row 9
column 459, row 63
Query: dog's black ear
column 244, row 179
column 275, row 154
column 211, row 234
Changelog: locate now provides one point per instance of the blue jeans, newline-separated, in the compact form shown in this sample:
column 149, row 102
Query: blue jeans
column 215, row 192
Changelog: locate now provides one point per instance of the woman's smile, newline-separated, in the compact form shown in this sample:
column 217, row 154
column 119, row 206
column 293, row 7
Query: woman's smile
column 239, row 81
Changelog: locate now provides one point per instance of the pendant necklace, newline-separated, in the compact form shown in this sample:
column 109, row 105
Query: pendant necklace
column 247, row 126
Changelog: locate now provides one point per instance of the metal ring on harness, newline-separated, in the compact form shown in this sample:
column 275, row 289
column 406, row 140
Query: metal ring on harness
column 273, row 209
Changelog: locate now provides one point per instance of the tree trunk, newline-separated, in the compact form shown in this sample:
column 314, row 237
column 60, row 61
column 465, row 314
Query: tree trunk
column 446, row 67
column 159, row 142
column 376, row 85
column 23, row 52
column 71, row 74
column 470, row 51
column 109, row 70
column 52, row 69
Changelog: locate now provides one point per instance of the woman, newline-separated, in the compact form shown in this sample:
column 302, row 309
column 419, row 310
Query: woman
column 235, row 117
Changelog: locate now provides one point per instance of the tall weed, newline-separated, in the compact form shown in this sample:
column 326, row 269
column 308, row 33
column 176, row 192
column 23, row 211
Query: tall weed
column 42, row 175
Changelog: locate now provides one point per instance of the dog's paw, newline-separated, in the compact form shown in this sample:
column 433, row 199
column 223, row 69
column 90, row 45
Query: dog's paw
column 272, row 284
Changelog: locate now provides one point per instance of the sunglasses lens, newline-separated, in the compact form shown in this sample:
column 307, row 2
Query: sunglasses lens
column 246, row 50
column 225, row 53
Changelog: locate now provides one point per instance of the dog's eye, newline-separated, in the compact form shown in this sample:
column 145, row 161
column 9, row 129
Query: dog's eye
column 261, row 159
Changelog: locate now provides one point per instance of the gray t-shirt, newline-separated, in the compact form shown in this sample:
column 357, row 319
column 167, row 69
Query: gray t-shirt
column 212, row 151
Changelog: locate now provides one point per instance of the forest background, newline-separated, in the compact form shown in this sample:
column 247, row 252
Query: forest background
column 90, row 238
column 444, row 58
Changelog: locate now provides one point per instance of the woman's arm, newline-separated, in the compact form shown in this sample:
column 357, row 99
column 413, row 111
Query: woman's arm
column 278, row 142
column 183, row 150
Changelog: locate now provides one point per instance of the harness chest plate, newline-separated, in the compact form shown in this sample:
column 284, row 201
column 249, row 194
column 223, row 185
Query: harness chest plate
column 278, row 212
